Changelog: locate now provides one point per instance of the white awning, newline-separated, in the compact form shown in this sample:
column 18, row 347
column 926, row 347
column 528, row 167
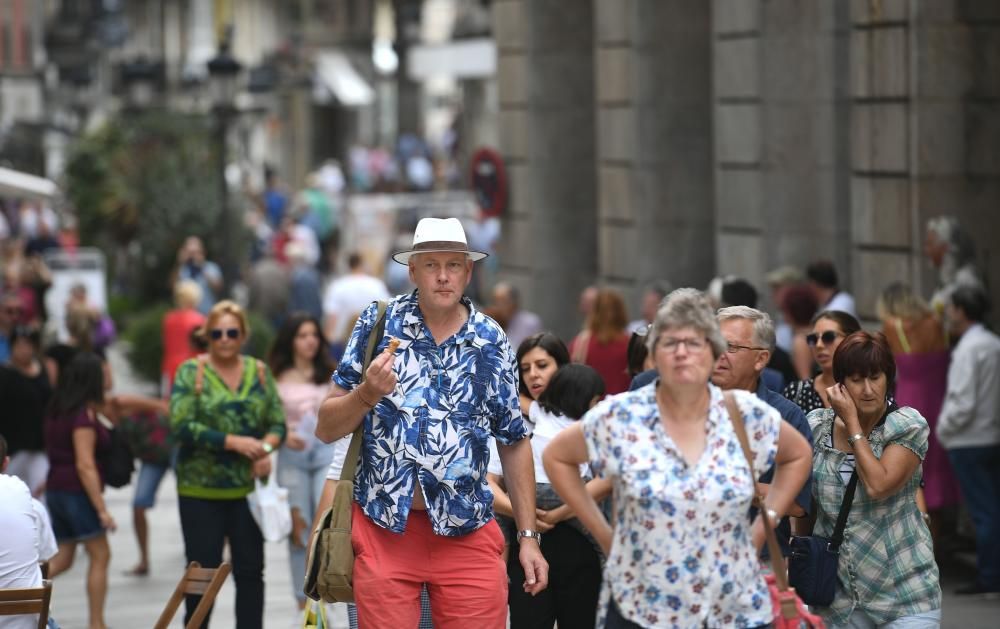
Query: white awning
column 461, row 59
column 337, row 78
column 16, row 183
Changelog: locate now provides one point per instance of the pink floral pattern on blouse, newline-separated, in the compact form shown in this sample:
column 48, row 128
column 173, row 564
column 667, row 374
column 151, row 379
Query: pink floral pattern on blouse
column 681, row 554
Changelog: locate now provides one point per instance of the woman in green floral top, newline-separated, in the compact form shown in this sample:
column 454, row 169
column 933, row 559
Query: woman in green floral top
column 886, row 574
column 227, row 418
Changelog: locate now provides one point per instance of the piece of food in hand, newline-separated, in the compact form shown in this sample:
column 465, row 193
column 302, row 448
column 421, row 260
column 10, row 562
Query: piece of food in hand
column 393, row 345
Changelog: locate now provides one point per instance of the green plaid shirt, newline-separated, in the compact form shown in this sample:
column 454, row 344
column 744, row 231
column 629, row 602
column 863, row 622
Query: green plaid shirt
column 886, row 566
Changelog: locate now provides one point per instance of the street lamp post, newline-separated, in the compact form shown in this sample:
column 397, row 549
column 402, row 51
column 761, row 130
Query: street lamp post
column 223, row 72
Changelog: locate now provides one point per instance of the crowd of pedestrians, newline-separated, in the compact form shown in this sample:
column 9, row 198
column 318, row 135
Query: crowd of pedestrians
column 508, row 476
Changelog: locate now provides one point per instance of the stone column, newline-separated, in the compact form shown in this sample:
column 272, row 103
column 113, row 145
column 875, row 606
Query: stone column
column 546, row 92
column 925, row 128
column 780, row 74
column 654, row 147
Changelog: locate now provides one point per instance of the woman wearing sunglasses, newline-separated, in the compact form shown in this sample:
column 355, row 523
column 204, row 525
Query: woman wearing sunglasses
column 829, row 328
column 227, row 418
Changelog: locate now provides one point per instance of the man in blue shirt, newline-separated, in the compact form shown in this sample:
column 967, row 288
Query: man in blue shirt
column 749, row 334
column 423, row 513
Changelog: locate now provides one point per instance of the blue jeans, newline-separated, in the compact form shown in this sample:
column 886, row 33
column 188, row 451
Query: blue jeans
column 978, row 473
column 303, row 474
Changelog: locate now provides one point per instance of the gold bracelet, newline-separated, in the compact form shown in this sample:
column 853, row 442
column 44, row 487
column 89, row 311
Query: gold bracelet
column 362, row 398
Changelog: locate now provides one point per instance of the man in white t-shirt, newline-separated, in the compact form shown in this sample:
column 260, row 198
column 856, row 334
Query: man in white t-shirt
column 347, row 296
column 27, row 539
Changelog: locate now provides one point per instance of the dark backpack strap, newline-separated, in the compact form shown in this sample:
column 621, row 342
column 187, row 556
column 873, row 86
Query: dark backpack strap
column 261, row 373
column 199, row 374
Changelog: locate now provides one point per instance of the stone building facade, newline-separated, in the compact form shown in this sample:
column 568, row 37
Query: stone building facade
column 680, row 139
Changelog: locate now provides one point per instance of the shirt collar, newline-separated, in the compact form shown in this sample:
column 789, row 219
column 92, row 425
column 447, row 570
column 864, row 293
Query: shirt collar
column 412, row 316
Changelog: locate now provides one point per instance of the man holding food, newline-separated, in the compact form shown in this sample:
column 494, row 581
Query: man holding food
column 423, row 513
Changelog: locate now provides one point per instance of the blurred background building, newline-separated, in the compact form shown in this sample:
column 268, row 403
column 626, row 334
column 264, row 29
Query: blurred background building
column 644, row 139
column 662, row 138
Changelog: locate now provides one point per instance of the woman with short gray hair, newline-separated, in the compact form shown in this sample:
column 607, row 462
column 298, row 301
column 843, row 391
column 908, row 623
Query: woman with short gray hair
column 683, row 551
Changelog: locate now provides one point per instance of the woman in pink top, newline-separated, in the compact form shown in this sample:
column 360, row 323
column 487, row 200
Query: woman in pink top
column 178, row 325
column 603, row 343
column 300, row 361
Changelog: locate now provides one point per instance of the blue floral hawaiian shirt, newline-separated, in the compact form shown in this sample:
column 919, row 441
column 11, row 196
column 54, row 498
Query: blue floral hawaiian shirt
column 681, row 554
column 435, row 427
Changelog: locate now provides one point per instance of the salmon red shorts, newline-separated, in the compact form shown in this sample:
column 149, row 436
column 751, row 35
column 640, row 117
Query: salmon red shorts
column 465, row 576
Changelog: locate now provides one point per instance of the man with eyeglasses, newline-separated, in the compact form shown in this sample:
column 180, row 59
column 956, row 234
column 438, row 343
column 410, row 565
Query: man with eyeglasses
column 10, row 309
column 749, row 335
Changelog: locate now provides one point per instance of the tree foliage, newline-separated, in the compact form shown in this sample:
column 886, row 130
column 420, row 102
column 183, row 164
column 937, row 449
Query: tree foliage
column 140, row 185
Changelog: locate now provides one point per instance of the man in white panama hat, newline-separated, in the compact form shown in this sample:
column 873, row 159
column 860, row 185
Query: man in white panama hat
column 423, row 514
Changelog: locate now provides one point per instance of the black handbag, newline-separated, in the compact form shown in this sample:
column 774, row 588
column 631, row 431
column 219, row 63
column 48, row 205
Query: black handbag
column 119, row 461
column 812, row 566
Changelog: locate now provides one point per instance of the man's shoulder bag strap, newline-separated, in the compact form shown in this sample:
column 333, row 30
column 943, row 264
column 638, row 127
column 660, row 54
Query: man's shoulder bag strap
column 351, row 461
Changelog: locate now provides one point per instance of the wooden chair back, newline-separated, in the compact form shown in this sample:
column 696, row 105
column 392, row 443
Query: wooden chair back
column 205, row 582
column 17, row 601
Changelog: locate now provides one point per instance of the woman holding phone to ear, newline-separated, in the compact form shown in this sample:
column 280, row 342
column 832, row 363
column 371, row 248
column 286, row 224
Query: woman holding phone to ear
column 829, row 328
column 886, row 571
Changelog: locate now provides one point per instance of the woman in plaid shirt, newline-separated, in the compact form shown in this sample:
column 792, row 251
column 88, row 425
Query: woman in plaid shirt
column 886, row 574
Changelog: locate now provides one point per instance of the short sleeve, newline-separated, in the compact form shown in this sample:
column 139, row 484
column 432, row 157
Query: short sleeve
column 47, row 547
column 817, row 418
column 762, row 422
column 494, row 467
column 505, row 408
column 907, row 427
column 348, row 373
column 602, row 435
column 340, row 447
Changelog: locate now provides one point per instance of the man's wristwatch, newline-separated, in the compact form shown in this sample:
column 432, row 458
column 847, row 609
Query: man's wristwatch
column 854, row 439
column 535, row 535
column 268, row 448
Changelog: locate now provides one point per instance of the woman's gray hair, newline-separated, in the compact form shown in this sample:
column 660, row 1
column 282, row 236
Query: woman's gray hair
column 763, row 327
column 687, row 308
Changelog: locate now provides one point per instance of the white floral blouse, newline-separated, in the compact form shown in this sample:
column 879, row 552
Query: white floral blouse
column 681, row 554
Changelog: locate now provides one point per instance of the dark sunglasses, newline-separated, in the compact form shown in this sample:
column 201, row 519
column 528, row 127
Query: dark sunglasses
column 233, row 333
column 827, row 337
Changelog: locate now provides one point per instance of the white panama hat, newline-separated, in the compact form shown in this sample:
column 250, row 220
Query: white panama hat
column 439, row 235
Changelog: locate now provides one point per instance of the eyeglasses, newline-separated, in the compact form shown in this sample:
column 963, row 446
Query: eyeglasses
column 732, row 348
column 692, row 344
column 233, row 333
column 827, row 337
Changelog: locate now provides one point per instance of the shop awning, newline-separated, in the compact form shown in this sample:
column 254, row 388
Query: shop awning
column 18, row 184
column 337, row 78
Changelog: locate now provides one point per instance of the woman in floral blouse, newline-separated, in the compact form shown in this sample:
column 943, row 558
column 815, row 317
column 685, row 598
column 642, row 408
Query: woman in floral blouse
column 886, row 572
column 683, row 552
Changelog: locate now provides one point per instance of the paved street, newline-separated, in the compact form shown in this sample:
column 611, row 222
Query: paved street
column 136, row 602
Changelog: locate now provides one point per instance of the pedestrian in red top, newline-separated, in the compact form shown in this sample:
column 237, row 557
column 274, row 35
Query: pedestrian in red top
column 603, row 343
column 178, row 325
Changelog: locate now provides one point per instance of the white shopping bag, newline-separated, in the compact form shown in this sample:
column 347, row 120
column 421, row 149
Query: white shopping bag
column 269, row 507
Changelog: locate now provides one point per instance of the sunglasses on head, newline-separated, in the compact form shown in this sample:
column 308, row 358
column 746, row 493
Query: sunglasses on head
column 827, row 337
column 233, row 333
